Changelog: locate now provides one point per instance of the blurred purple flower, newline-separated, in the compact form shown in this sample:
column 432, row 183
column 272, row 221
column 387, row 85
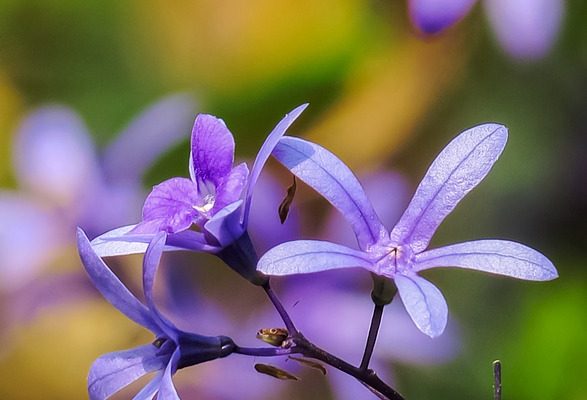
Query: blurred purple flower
column 525, row 29
column 173, row 349
column 63, row 181
column 216, row 201
column 401, row 253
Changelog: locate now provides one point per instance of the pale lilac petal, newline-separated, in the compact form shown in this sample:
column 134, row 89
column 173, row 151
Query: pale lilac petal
column 460, row 167
column 424, row 303
column 152, row 133
column 231, row 187
column 330, row 177
column 212, row 152
column 26, row 224
column 494, row 256
column 388, row 192
column 151, row 262
column 433, row 16
column 167, row 389
column 119, row 242
column 113, row 371
column 54, row 156
column 526, row 29
column 225, row 225
column 305, row 256
column 264, row 153
column 170, row 207
column 110, row 286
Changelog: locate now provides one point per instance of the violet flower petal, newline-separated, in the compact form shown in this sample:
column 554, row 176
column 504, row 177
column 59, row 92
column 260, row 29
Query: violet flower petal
column 113, row 371
column 111, row 288
column 225, row 225
column 433, row 16
column 330, row 177
column 212, row 152
column 150, row 265
column 231, row 187
column 494, row 256
column 119, row 242
column 462, row 164
column 305, row 256
column 264, row 153
column 167, row 389
column 170, row 207
column 525, row 29
column 424, row 302
column 154, row 131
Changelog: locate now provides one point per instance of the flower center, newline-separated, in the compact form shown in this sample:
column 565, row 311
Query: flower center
column 394, row 260
column 207, row 194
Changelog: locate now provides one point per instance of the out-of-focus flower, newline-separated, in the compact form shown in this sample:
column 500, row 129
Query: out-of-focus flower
column 216, row 201
column 172, row 349
column 526, row 29
column 63, row 181
column 401, row 253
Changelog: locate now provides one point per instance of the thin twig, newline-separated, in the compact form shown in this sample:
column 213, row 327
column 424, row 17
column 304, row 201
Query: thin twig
column 367, row 377
column 497, row 380
column 372, row 338
column 280, row 309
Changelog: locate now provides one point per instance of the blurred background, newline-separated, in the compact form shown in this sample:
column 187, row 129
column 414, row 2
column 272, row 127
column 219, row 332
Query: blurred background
column 96, row 105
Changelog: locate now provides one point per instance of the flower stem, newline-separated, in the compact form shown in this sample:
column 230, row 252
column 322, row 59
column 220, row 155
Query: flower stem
column 280, row 309
column 372, row 338
column 264, row 351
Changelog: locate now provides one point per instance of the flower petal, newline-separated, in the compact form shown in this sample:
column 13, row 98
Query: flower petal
column 170, row 207
column 526, row 29
column 167, row 390
column 113, row 371
column 157, row 129
column 460, row 167
column 54, row 156
column 424, row 303
column 225, row 225
column 26, row 223
column 119, row 242
column 305, row 256
column 494, row 256
column 212, row 152
column 231, row 187
column 264, row 153
column 110, row 286
column 151, row 262
column 330, row 177
column 433, row 16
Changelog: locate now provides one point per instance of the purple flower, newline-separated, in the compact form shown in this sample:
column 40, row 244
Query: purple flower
column 525, row 29
column 173, row 348
column 402, row 253
column 215, row 201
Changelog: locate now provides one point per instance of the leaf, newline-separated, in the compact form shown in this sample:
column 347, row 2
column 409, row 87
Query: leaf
column 275, row 372
column 283, row 209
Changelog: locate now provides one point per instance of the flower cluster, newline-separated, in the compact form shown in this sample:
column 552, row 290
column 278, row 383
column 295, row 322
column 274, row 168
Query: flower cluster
column 209, row 213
